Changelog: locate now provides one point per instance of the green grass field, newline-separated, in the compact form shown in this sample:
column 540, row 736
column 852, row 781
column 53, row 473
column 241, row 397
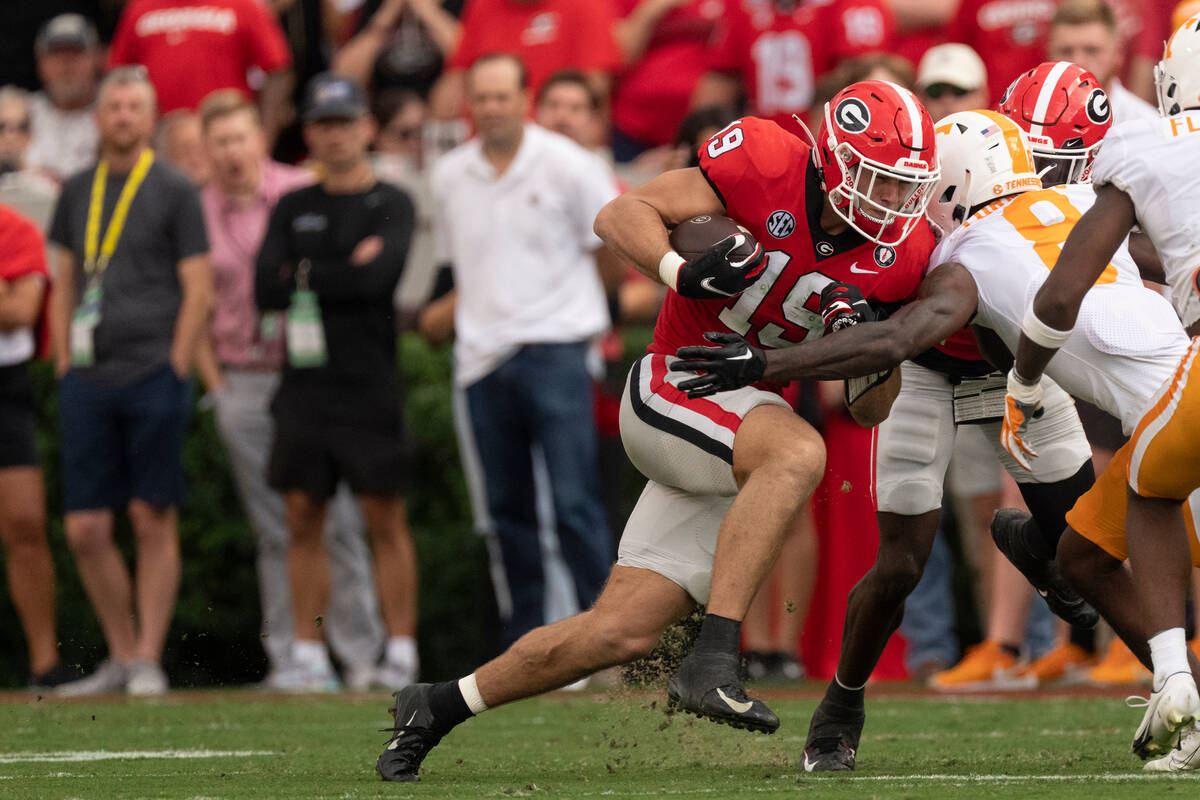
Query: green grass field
column 244, row 744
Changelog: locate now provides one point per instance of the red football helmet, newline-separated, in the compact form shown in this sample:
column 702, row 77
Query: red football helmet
column 878, row 159
column 1066, row 114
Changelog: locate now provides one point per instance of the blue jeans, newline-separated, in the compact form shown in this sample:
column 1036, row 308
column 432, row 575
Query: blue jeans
column 928, row 623
column 541, row 396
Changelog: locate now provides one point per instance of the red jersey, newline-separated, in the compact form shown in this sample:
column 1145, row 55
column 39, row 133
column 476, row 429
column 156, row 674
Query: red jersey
column 193, row 47
column 781, row 54
column 651, row 97
column 548, row 35
column 25, row 254
column 768, row 183
column 1011, row 35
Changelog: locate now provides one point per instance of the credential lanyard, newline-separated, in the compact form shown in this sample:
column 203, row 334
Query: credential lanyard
column 96, row 253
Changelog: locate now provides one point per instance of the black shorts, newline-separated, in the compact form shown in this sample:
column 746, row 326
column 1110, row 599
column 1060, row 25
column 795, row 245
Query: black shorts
column 325, row 436
column 18, row 421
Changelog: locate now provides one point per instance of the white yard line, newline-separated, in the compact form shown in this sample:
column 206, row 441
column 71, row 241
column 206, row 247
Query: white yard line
column 113, row 755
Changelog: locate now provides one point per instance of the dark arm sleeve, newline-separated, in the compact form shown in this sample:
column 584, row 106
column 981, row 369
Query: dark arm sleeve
column 274, row 274
column 338, row 283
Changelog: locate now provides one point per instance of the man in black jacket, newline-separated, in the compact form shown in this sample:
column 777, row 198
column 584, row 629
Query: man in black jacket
column 331, row 257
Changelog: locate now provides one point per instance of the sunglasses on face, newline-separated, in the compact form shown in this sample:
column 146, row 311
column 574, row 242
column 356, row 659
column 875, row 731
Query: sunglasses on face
column 19, row 126
column 937, row 91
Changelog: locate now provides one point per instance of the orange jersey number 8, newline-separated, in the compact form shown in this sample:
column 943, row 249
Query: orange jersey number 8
column 1045, row 219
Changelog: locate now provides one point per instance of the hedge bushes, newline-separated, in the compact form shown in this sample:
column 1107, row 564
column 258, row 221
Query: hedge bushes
column 214, row 635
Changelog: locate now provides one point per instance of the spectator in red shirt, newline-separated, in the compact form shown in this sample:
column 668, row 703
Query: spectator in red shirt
column 665, row 45
column 776, row 51
column 547, row 35
column 191, row 49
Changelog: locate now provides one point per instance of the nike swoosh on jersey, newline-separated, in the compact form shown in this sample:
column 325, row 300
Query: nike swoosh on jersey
column 740, row 708
column 854, row 268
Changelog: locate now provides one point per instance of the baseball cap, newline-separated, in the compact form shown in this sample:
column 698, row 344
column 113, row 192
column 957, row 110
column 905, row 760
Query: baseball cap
column 67, row 31
column 955, row 64
column 331, row 95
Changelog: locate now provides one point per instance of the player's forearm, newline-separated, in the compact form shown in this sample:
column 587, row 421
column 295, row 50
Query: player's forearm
column 873, row 406
column 852, row 353
column 1031, row 359
column 634, row 231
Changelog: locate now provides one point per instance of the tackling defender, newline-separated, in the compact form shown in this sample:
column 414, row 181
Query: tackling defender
column 1148, row 173
column 726, row 474
column 1004, row 235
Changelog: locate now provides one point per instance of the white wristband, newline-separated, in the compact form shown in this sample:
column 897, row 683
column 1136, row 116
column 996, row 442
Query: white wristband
column 668, row 268
column 1029, row 394
column 1042, row 334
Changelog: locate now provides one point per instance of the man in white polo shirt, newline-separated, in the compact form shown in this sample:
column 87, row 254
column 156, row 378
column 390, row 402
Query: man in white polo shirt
column 514, row 209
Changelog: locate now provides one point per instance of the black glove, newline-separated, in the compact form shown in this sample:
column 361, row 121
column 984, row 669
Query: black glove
column 843, row 305
column 717, row 273
column 733, row 364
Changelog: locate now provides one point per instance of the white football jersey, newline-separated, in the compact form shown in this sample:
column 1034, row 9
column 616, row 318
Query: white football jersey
column 1157, row 163
column 1127, row 340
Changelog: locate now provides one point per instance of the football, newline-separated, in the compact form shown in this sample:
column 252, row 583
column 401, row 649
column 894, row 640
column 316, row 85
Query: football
column 692, row 237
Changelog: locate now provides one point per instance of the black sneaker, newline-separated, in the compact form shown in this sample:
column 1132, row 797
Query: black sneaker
column 1010, row 533
column 708, row 686
column 833, row 735
column 57, row 675
column 412, row 737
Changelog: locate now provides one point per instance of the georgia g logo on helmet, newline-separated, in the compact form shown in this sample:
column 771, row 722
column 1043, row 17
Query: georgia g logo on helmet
column 852, row 115
column 1097, row 107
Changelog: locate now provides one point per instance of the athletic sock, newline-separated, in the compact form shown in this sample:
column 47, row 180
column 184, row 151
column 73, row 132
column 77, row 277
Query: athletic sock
column 402, row 651
column 311, row 653
column 840, row 695
column 719, row 635
column 1011, row 649
column 1168, row 652
column 449, row 705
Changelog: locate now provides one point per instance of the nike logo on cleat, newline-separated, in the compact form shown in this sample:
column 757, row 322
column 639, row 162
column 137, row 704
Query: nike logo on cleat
column 808, row 765
column 740, row 708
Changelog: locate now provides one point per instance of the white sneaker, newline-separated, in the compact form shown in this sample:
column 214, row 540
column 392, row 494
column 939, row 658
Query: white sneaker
column 1183, row 758
column 360, row 677
column 109, row 677
column 307, row 678
column 145, row 679
column 389, row 675
column 1171, row 706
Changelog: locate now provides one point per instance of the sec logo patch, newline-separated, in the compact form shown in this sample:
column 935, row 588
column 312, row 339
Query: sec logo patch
column 885, row 256
column 781, row 224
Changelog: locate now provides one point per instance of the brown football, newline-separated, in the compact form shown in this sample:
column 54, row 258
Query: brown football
column 692, row 237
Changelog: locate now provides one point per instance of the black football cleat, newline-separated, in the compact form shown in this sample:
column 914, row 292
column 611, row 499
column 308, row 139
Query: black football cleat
column 707, row 685
column 833, row 735
column 412, row 737
column 1011, row 535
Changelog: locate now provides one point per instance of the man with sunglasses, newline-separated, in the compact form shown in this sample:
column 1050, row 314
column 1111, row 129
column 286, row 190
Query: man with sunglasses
column 951, row 77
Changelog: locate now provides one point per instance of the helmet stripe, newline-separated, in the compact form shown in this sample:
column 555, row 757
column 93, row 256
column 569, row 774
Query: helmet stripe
column 914, row 115
column 1021, row 157
column 1045, row 95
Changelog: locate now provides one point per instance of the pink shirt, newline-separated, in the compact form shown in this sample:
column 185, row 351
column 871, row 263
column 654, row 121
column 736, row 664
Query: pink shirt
column 234, row 234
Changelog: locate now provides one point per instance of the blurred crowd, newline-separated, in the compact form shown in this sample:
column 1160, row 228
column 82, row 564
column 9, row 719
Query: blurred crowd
column 261, row 193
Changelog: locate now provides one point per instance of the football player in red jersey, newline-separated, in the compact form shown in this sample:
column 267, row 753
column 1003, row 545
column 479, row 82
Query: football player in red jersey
column 941, row 388
column 727, row 473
